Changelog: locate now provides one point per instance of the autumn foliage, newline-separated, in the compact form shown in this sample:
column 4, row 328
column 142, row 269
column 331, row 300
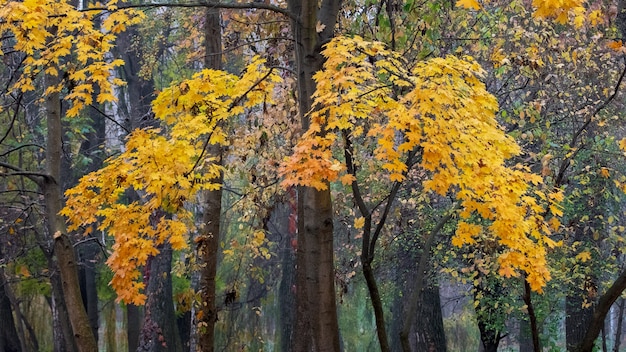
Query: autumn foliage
column 441, row 109
column 46, row 33
column 166, row 167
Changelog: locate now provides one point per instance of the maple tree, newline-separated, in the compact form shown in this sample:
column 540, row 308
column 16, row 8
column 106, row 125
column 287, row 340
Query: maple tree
column 470, row 154
column 63, row 48
column 563, row 132
column 446, row 116
column 419, row 117
column 166, row 171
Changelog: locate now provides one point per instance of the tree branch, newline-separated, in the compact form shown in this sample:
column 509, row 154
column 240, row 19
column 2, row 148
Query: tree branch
column 34, row 176
column 205, row 4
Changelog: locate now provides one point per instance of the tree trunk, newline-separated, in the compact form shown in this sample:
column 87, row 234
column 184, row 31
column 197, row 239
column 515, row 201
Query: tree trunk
column 208, row 241
column 429, row 332
column 159, row 332
column 577, row 317
column 490, row 333
column 316, row 326
column 601, row 310
column 91, row 148
column 11, row 339
column 618, row 329
column 88, row 258
column 286, row 220
column 63, row 249
column 62, row 328
column 524, row 336
column 415, row 299
column 134, row 323
column 532, row 318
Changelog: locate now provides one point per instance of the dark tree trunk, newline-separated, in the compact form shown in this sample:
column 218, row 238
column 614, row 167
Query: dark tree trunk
column 316, row 327
column 160, row 332
column 490, row 338
column 184, row 330
column 525, row 338
column 532, row 318
column 10, row 340
column 134, row 321
column 490, row 318
column 601, row 310
column 139, row 90
column 135, row 106
column 88, row 279
column 577, row 317
column 415, row 298
column 286, row 220
column 91, row 148
column 62, row 329
column 429, row 334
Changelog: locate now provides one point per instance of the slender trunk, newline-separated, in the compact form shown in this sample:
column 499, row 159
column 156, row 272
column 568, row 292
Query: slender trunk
column 88, row 280
column 489, row 337
column 487, row 315
column 184, row 330
column 534, row 330
column 92, row 148
column 287, row 259
column 63, row 249
column 62, row 328
column 316, row 328
column 428, row 332
column 601, row 310
column 416, row 295
column 620, row 321
column 208, row 241
column 377, row 305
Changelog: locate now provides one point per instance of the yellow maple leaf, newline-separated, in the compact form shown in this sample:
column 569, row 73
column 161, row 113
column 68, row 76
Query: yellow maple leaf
column 604, row 172
column 359, row 222
column 469, row 4
column 583, row 256
column 616, row 45
column 347, row 179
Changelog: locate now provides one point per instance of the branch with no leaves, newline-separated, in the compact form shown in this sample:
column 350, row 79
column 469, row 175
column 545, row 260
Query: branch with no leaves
column 16, row 171
column 205, row 4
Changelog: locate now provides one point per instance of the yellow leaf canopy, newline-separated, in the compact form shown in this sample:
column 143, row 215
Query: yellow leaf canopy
column 441, row 110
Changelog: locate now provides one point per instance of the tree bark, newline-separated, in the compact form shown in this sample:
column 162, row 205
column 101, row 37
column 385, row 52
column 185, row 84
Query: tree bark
column 63, row 249
column 160, row 332
column 534, row 329
column 316, row 328
column 91, row 148
column 134, row 323
column 62, row 328
column 12, row 339
column 415, row 298
column 600, row 311
column 208, row 241
column 286, row 216
column 578, row 318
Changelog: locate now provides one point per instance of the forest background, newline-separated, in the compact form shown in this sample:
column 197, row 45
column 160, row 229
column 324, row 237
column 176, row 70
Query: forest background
column 297, row 175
